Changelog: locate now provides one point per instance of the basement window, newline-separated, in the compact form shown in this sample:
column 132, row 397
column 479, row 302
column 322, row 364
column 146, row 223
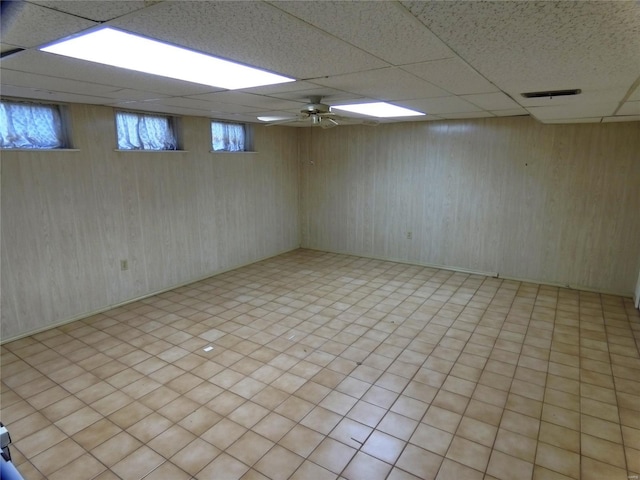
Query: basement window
column 26, row 125
column 142, row 131
column 229, row 137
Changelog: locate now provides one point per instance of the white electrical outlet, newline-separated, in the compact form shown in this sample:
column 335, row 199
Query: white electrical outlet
column 124, row 265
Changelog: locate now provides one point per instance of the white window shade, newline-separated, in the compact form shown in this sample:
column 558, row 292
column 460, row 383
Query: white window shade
column 138, row 131
column 30, row 125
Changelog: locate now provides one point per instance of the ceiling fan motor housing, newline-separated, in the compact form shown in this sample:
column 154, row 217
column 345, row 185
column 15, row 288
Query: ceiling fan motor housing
column 317, row 109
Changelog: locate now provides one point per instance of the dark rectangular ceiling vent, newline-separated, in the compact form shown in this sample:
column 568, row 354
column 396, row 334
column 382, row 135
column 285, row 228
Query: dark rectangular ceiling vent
column 551, row 93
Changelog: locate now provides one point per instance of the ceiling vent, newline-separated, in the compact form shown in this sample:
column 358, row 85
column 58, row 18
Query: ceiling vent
column 551, row 93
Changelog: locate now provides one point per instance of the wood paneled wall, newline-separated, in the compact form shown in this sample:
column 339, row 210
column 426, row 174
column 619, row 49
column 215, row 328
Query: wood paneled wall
column 70, row 217
column 550, row 203
column 510, row 196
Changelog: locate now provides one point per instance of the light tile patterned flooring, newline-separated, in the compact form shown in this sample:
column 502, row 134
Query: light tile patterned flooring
column 329, row 366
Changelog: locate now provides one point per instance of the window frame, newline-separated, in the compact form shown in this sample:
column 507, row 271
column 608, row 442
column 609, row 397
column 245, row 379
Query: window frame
column 174, row 124
column 64, row 131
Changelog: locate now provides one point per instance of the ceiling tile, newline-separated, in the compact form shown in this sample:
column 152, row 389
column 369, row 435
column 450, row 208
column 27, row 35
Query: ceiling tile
column 512, row 112
column 629, row 118
column 442, row 105
column 128, row 94
column 492, row 101
column 45, row 82
column 50, row 96
column 629, row 108
column 574, row 120
column 28, row 25
column 280, row 89
column 202, row 105
column 452, row 75
column 542, row 45
column 466, row 115
column 328, row 95
column 96, row 10
column 535, row 46
column 390, row 32
column 160, row 108
column 254, row 33
column 635, row 95
column 248, row 99
column 384, row 84
column 573, row 111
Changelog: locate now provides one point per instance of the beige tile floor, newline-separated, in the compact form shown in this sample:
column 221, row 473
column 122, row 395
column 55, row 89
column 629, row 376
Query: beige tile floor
column 329, row 366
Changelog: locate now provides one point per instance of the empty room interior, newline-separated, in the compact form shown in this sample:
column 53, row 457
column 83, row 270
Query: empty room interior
column 289, row 240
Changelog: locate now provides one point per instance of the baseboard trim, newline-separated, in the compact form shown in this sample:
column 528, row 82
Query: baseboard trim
column 137, row 299
column 580, row 288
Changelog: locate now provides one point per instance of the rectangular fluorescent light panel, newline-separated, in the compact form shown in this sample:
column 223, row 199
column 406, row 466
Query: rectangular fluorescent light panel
column 379, row 109
column 125, row 50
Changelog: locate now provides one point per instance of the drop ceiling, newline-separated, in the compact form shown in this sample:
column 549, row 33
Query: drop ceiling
column 448, row 59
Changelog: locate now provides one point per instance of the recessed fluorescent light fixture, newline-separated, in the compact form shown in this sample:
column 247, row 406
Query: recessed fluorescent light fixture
column 379, row 109
column 125, row 50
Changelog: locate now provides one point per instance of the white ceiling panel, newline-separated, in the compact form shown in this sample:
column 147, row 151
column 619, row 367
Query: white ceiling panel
column 96, row 10
column 512, row 112
column 457, row 116
column 51, row 96
column 31, row 80
column 248, row 99
column 160, row 108
column 28, row 25
column 574, row 120
column 127, row 94
column 629, row 108
column 331, row 96
column 452, row 75
column 254, row 33
column 441, row 105
column 630, row 118
column 204, row 105
column 280, row 89
column 578, row 110
column 491, row 101
column 391, row 33
column 635, row 95
column 542, row 45
column 384, row 84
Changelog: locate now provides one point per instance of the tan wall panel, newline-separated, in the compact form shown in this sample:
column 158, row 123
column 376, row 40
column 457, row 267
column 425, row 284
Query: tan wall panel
column 69, row 217
column 551, row 203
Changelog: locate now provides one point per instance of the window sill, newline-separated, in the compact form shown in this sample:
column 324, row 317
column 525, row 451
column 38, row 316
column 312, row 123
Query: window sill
column 224, row 152
column 39, row 149
column 151, row 151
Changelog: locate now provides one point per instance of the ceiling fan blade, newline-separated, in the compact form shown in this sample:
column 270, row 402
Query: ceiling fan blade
column 356, row 121
column 283, row 122
column 328, row 123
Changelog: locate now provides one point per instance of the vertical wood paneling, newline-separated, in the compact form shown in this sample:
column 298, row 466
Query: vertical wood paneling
column 68, row 218
column 552, row 203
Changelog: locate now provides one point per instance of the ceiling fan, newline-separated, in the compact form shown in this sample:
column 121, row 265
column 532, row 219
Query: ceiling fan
column 316, row 113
